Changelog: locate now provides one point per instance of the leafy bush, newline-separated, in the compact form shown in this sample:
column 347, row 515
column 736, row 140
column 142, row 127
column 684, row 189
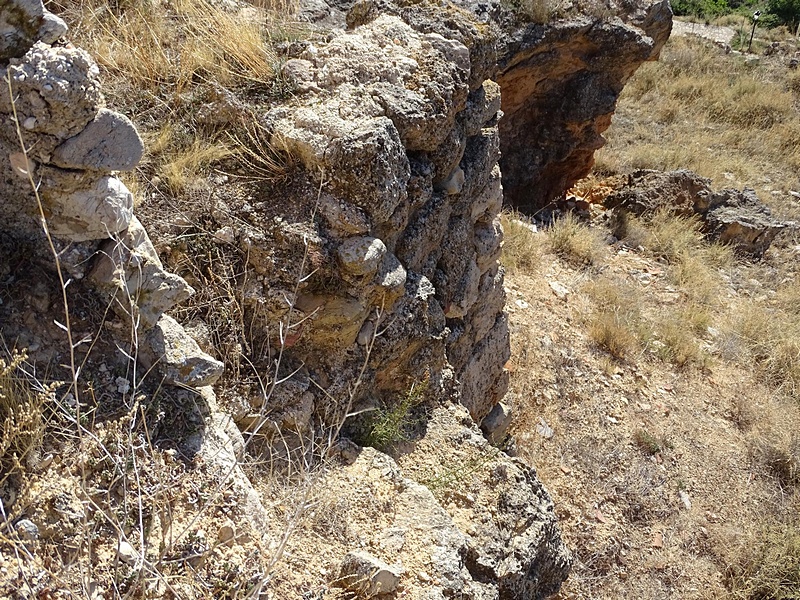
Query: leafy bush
column 707, row 9
column 390, row 423
column 787, row 12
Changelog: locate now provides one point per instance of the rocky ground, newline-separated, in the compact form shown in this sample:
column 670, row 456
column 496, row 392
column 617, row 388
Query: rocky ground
column 660, row 469
column 715, row 33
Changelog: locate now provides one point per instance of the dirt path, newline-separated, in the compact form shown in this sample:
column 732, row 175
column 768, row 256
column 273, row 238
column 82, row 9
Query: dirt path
column 715, row 33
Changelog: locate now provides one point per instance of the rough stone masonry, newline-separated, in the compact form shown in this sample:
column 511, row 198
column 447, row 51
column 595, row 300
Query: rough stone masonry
column 397, row 127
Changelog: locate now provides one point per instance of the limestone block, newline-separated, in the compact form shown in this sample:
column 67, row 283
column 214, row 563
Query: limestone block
column 52, row 29
column 371, row 167
column 419, row 80
column 732, row 216
column 431, row 540
column 342, row 217
column 109, row 143
column 391, row 281
column 480, row 158
column 56, row 92
column 486, row 365
column 19, row 23
column 128, row 270
column 335, row 322
column 492, row 297
column 93, row 213
column 177, row 357
column 488, row 203
column 423, row 237
column 365, row 157
column 446, row 157
column 511, row 528
column 488, row 237
column 368, row 576
column 361, row 256
column 482, row 106
column 465, row 292
column 453, row 184
column 496, row 423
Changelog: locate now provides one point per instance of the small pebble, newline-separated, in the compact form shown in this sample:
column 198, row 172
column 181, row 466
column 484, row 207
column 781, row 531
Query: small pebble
column 226, row 535
column 125, row 552
column 27, row 530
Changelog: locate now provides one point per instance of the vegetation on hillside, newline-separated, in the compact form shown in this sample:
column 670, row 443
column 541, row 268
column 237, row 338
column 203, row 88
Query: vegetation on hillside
column 666, row 386
column 774, row 13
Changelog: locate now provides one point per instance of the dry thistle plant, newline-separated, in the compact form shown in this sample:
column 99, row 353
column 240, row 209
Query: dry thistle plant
column 23, row 414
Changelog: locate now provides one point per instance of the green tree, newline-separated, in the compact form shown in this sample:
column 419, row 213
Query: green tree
column 786, row 11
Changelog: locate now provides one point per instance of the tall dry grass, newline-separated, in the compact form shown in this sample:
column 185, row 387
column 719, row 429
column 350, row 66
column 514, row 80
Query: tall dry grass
column 716, row 114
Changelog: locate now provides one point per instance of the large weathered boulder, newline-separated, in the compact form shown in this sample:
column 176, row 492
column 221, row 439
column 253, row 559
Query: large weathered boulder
column 499, row 504
column 560, row 83
column 402, row 122
column 731, row 216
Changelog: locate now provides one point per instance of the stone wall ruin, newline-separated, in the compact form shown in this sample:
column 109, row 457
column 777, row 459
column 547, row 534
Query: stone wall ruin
column 381, row 263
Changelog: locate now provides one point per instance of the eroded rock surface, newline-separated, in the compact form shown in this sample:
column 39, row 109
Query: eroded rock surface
column 560, row 83
column 399, row 124
column 513, row 541
column 377, row 264
column 731, row 216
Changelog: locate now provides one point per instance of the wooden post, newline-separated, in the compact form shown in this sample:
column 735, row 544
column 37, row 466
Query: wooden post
column 753, row 32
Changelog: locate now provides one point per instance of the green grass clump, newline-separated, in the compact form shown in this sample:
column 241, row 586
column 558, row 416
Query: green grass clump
column 389, row 424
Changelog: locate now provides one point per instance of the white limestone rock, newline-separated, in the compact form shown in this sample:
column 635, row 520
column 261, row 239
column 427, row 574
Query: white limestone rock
column 129, row 271
column 177, row 357
column 108, row 143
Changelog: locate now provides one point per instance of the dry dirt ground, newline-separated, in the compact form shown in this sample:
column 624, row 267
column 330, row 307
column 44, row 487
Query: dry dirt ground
column 651, row 466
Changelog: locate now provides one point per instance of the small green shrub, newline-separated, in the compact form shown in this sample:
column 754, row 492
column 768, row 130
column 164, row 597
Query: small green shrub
column 648, row 443
column 389, row 424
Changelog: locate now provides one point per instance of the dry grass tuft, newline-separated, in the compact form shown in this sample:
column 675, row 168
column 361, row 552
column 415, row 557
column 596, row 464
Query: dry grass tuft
column 648, row 443
column 616, row 324
column 678, row 343
column 22, row 418
column 184, row 165
column 694, row 264
column 576, row 242
column 187, row 71
column 770, row 337
column 766, row 563
column 522, row 248
column 780, row 457
column 717, row 115
column 174, row 43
